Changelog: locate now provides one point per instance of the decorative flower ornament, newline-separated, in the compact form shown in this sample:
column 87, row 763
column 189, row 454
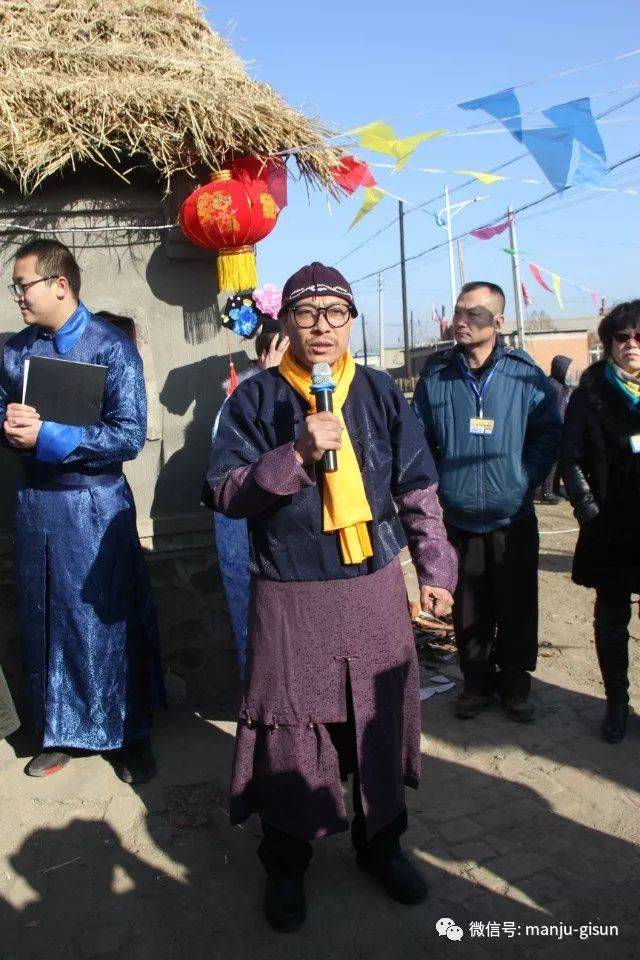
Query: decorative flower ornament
column 268, row 300
column 240, row 316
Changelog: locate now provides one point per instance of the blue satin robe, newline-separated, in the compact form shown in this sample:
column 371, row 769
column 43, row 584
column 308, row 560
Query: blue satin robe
column 88, row 624
column 232, row 543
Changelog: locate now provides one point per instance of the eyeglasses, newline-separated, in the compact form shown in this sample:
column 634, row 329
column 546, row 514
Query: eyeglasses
column 624, row 337
column 306, row 315
column 18, row 289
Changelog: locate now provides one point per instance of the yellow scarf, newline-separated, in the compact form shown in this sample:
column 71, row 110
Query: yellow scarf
column 346, row 509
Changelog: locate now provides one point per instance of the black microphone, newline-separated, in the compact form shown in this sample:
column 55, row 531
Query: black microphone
column 322, row 387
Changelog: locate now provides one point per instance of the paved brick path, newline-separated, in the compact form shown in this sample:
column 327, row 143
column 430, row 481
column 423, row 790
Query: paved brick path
column 524, row 825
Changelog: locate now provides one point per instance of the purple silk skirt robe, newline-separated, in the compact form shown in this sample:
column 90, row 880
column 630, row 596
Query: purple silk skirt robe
column 304, row 640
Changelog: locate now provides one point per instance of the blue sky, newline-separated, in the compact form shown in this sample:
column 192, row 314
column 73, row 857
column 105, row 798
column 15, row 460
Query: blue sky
column 350, row 63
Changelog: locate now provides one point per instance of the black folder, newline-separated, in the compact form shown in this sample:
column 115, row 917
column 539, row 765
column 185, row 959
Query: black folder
column 64, row 391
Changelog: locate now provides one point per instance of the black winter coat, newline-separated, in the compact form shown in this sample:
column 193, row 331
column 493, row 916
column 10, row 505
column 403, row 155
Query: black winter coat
column 602, row 479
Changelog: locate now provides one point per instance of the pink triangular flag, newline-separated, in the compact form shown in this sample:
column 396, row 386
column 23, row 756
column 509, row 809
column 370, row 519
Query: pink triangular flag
column 537, row 276
column 485, row 233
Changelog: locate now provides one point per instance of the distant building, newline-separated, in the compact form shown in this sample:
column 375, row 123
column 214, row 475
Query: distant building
column 571, row 337
column 574, row 337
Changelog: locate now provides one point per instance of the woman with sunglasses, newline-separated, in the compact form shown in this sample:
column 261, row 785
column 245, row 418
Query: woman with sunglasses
column 601, row 470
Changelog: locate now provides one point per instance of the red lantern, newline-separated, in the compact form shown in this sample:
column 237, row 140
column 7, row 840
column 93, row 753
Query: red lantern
column 230, row 215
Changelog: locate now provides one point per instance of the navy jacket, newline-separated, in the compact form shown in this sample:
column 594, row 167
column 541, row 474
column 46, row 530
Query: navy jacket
column 286, row 539
column 487, row 482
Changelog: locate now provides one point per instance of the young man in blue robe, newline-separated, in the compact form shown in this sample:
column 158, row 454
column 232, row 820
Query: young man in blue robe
column 88, row 625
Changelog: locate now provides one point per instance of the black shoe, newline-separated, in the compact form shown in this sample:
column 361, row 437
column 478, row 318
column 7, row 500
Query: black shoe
column 550, row 498
column 469, row 705
column 519, row 708
column 614, row 725
column 46, row 763
column 134, row 763
column 400, row 879
column 285, row 906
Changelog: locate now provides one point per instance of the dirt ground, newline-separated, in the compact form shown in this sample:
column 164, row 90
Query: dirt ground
column 528, row 834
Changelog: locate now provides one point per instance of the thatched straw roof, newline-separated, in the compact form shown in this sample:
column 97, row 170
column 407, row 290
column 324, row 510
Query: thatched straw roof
column 120, row 82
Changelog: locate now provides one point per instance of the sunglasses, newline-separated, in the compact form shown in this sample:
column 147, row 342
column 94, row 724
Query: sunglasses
column 623, row 337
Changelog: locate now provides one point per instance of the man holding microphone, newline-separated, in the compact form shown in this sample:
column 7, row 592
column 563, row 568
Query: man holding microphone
column 331, row 686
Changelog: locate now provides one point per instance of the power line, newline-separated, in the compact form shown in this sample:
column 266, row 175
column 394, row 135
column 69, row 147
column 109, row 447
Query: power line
column 518, row 86
column 551, row 76
column 527, row 206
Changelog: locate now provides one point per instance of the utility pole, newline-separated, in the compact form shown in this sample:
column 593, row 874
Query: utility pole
column 364, row 338
column 381, row 319
column 403, row 277
column 515, row 265
column 460, row 263
column 452, row 269
column 411, row 328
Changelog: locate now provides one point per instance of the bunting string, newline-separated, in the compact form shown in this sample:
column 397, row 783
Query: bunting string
column 477, row 129
column 488, row 179
column 556, row 281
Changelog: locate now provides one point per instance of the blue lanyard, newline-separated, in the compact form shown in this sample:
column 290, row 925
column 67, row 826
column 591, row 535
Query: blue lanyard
column 479, row 391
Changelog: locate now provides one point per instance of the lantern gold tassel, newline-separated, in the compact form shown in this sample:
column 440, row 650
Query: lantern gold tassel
column 237, row 269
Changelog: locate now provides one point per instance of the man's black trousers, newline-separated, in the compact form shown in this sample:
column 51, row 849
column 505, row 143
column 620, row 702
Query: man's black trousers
column 496, row 607
column 611, row 621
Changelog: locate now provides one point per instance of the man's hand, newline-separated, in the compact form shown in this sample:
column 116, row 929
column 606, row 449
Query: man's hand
column 320, row 432
column 274, row 354
column 21, row 426
column 19, row 415
column 436, row 600
column 23, row 438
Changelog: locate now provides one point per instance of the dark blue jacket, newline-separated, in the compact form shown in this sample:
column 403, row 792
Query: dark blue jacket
column 286, row 538
column 487, row 482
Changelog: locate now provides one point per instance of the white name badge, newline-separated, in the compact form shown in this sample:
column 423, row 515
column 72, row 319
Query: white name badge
column 484, row 427
column 635, row 443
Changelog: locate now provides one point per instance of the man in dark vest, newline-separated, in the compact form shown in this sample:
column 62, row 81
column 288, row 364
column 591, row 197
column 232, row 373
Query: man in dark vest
column 331, row 684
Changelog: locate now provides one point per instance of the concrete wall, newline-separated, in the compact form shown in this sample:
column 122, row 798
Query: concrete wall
column 169, row 288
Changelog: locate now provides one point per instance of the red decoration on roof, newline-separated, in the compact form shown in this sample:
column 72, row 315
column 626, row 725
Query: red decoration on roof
column 351, row 173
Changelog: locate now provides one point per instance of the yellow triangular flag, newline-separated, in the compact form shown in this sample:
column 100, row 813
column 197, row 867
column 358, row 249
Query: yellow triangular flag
column 402, row 149
column 486, row 178
column 372, row 196
column 381, row 138
column 556, row 286
column 376, row 136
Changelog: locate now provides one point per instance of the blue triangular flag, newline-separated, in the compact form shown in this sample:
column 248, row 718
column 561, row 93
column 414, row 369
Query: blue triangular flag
column 577, row 119
column 552, row 150
column 501, row 105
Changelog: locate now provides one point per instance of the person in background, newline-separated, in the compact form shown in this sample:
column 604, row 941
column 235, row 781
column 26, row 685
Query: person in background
column 600, row 465
column 331, row 686
column 490, row 419
column 232, row 540
column 87, row 619
column 550, row 490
